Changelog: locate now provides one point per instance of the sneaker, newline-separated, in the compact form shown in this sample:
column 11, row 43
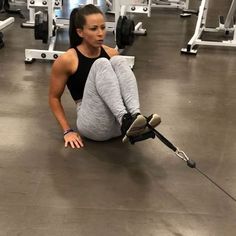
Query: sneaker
column 132, row 125
column 153, row 120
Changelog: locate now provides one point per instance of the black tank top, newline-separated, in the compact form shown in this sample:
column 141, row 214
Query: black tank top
column 76, row 82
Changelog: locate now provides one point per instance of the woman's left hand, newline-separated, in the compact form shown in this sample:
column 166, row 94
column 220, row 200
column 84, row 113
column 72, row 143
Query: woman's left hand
column 74, row 140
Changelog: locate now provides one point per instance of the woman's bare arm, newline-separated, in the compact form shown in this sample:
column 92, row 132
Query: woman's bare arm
column 61, row 69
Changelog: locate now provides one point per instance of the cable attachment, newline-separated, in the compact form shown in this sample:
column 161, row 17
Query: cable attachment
column 178, row 152
column 182, row 155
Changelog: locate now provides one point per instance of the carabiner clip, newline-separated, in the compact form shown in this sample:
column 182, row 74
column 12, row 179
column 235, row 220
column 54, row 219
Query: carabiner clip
column 181, row 155
column 184, row 157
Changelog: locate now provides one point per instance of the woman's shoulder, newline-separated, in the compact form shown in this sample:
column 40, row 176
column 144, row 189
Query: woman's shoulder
column 67, row 61
column 110, row 51
column 68, row 57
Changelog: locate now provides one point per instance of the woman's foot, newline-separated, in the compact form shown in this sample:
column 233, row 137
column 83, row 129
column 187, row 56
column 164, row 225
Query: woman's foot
column 132, row 125
column 153, row 120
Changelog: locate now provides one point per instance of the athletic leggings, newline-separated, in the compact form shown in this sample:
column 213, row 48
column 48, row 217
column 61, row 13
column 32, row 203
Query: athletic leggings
column 110, row 92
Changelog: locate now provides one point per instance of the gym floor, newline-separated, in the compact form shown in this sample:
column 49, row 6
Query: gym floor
column 108, row 188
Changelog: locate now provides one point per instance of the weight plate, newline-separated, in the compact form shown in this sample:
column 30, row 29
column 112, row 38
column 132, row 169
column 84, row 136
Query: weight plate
column 119, row 33
column 127, row 31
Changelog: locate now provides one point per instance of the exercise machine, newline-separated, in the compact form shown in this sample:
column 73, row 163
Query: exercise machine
column 8, row 7
column 173, row 4
column 143, row 7
column 227, row 26
column 32, row 5
column 4, row 24
column 45, row 26
column 124, row 26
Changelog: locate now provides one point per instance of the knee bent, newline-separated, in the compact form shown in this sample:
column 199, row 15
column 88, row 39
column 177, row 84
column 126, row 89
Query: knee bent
column 117, row 60
column 101, row 62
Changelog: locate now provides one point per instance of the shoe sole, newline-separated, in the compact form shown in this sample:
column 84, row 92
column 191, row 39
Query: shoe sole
column 154, row 122
column 137, row 127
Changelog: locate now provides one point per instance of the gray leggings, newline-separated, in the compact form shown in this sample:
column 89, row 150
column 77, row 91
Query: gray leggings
column 110, row 92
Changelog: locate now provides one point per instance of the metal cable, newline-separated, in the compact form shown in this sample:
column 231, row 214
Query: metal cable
column 190, row 163
column 217, row 185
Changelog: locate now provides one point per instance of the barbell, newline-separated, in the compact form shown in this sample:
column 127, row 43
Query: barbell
column 124, row 29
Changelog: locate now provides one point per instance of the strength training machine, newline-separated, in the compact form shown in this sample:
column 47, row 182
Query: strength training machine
column 227, row 26
column 124, row 26
column 45, row 24
column 4, row 23
column 9, row 6
column 173, row 4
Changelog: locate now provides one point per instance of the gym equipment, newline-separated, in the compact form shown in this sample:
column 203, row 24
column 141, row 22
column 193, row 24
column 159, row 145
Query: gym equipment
column 123, row 10
column 124, row 32
column 6, row 5
column 132, row 7
column 124, row 28
column 176, row 4
column 179, row 153
column 4, row 24
column 224, row 26
column 33, row 4
column 45, row 26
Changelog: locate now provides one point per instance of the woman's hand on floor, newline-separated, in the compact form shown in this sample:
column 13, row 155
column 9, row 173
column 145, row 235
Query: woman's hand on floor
column 73, row 139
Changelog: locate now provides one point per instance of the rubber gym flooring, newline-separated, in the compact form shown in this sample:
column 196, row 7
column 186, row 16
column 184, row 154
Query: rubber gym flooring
column 108, row 188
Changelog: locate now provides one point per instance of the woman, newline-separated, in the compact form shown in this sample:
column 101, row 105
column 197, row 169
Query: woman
column 101, row 83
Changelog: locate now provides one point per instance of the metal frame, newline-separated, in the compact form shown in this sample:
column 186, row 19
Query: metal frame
column 178, row 4
column 122, row 10
column 50, row 54
column 32, row 4
column 201, row 28
column 6, row 22
column 115, row 5
column 174, row 4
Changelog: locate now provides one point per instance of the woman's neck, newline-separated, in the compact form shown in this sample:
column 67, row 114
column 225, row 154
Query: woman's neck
column 89, row 51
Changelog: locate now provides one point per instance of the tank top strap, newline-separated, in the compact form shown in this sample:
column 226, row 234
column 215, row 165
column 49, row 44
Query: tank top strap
column 78, row 52
column 103, row 53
